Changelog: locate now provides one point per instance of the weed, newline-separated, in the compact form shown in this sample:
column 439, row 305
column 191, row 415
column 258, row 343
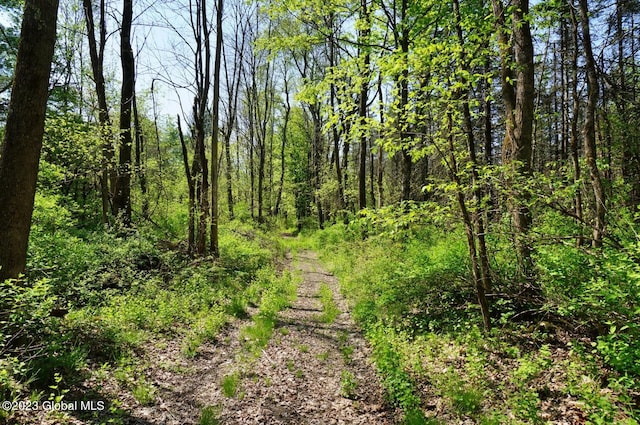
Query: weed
column 290, row 365
column 144, row 393
column 415, row 416
column 210, row 415
column 329, row 309
column 258, row 334
column 323, row 356
column 230, row 384
column 348, row 385
column 465, row 399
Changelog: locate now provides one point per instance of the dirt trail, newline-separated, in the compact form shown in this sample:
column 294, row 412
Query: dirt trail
column 311, row 372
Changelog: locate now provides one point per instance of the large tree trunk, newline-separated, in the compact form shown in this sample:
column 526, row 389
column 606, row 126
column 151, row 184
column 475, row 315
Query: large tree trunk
column 23, row 133
column 122, row 197
column 517, row 75
column 202, row 64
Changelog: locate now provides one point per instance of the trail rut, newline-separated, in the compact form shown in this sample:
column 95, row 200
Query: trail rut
column 311, row 372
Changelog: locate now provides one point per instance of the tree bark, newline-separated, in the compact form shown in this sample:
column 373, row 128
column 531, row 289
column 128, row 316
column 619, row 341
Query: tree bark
column 96, row 54
column 23, row 133
column 139, row 160
column 192, row 191
column 362, row 107
column 517, row 75
column 589, row 127
column 214, row 245
column 122, row 197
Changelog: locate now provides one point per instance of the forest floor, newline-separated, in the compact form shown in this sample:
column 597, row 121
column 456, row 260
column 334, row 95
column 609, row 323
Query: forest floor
column 314, row 369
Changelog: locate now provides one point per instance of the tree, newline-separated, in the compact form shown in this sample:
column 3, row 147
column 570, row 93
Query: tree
column 122, row 196
column 518, row 82
column 215, row 133
column 589, row 128
column 363, row 99
column 23, row 133
column 96, row 53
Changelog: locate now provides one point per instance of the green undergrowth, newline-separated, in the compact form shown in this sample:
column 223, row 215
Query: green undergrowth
column 413, row 298
column 275, row 294
column 271, row 293
column 329, row 308
column 94, row 299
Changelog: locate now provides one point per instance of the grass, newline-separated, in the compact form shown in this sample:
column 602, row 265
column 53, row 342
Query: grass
column 275, row 292
column 230, row 384
column 123, row 292
column 329, row 309
column 413, row 299
column 210, row 416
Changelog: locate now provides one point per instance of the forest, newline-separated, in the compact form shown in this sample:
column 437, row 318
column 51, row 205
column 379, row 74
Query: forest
column 302, row 211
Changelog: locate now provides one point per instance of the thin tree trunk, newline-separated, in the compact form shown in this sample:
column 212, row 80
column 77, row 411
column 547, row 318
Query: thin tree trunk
column 362, row 108
column 96, row 54
column 589, row 127
column 140, row 162
column 479, row 282
column 380, row 180
column 285, row 129
column 573, row 126
column 407, row 161
column 228, row 175
column 478, row 217
column 214, row 245
column 192, row 191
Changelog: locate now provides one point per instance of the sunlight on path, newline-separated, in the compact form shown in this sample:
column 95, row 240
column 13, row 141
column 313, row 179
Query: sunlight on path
column 313, row 371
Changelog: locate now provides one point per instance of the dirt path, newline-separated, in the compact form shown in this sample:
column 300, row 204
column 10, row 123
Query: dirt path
column 311, row 372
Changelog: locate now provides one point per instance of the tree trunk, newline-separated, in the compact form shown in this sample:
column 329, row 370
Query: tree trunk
column 362, row 107
column 478, row 275
column 192, row 192
column 380, row 177
column 589, row 127
column 285, row 128
column 96, row 53
column 214, row 245
column 122, row 197
column 140, row 162
column 202, row 65
column 573, row 126
column 23, row 133
column 518, row 95
column 474, row 224
column 228, row 175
